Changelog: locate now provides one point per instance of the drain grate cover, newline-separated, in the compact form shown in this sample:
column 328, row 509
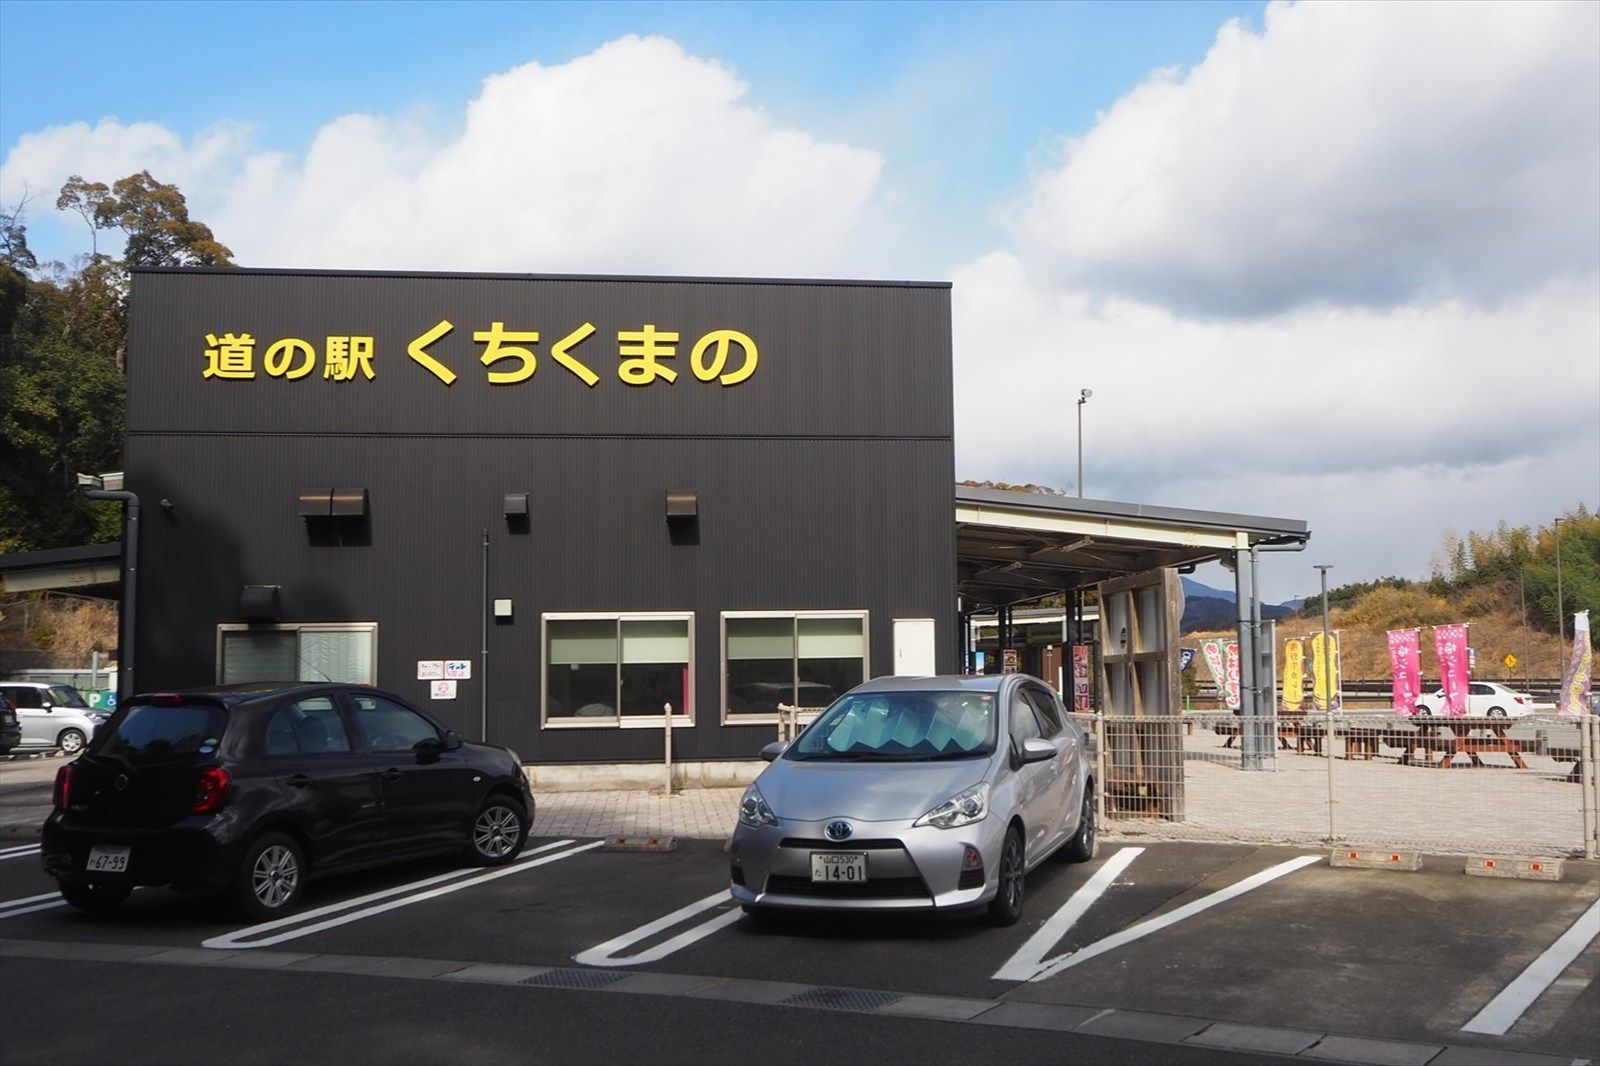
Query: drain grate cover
column 856, row 999
column 574, row 979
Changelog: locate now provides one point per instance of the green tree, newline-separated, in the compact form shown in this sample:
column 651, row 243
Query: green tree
column 63, row 332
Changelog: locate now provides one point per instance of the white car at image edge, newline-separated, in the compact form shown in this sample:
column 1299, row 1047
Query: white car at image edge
column 1485, row 699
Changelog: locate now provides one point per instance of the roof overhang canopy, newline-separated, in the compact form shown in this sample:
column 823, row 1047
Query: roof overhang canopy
column 1017, row 547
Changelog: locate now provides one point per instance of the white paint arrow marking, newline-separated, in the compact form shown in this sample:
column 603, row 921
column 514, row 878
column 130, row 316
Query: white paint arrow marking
column 1188, row 910
column 1026, row 962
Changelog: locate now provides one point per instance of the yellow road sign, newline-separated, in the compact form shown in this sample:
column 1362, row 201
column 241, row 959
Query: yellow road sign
column 1510, row 661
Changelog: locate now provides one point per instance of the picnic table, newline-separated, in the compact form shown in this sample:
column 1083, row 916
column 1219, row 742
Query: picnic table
column 1292, row 726
column 1468, row 736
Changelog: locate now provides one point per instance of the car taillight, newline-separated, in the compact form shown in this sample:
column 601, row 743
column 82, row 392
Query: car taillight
column 211, row 793
column 1517, row 698
column 62, row 795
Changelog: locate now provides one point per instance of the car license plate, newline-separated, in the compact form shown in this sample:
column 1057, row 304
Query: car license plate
column 108, row 860
column 839, row 867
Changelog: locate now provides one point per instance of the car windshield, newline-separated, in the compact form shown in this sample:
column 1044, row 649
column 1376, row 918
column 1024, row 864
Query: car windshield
column 66, row 696
column 901, row 727
column 152, row 731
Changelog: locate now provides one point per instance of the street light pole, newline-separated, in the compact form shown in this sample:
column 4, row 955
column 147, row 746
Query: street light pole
column 1327, row 652
column 1083, row 398
column 1522, row 593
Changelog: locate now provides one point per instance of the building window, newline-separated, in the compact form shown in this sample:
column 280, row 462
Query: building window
column 802, row 659
column 324, row 651
column 618, row 669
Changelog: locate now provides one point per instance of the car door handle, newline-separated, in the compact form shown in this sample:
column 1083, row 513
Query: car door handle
column 298, row 781
column 391, row 774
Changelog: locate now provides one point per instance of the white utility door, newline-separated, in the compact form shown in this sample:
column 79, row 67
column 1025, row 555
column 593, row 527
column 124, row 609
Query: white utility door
column 913, row 647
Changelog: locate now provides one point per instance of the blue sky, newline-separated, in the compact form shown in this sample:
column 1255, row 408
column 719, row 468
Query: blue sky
column 1335, row 261
column 969, row 94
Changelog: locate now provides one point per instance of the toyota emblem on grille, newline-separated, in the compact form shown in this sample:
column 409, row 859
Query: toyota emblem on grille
column 121, row 782
column 838, row 830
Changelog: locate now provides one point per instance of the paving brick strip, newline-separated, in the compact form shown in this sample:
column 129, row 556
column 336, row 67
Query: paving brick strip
column 1094, row 1021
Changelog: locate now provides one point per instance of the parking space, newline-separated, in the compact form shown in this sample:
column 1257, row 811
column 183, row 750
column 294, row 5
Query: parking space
column 1261, row 936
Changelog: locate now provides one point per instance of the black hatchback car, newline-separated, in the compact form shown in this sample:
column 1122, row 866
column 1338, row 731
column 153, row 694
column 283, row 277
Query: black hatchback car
column 255, row 789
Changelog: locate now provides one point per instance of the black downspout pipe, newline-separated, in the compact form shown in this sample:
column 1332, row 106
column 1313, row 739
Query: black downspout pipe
column 130, row 585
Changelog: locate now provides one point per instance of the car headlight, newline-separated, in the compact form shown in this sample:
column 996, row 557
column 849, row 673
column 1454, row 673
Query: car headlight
column 963, row 808
column 753, row 810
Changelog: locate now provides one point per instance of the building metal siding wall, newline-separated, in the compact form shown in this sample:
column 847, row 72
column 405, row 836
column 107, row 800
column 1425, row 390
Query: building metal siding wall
column 842, row 500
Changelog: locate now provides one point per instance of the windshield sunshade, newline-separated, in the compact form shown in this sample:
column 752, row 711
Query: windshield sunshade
column 901, row 726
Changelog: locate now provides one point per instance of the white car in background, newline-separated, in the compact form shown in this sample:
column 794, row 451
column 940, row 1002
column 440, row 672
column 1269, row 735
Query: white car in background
column 1485, row 699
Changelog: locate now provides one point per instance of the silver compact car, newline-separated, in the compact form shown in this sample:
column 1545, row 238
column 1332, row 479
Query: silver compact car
column 917, row 793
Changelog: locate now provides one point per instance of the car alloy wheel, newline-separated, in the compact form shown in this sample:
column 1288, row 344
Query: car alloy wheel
column 498, row 831
column 1081, row 847
column 1007, row 906
column 275, row 876
column 1497, row 712
column 71, row 742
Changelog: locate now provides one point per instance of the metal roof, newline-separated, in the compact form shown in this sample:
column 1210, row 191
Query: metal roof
column 1017, row 547
column 665, row 279
column 58, row 568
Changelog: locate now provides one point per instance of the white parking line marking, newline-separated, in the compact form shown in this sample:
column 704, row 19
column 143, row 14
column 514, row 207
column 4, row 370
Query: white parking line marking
column 233, row 940
column 13, row 848
column 605, row 954
column 18, row 853
column 346, row 904
column 1502, row 1011
column 29, row 910
column 7, row 904
column 1188, row 910
column 1030, row 956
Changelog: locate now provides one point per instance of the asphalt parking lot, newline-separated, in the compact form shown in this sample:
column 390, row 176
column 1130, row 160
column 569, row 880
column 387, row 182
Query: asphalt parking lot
column 1182, row 947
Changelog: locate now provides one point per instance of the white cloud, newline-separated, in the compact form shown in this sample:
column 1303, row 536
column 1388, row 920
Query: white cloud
column 1346, row 269
column 635, row 158
column 1348, row 153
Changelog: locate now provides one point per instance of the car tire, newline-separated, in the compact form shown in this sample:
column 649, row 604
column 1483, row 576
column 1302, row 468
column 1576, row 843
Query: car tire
column 1423, row 711
column 272, row 877
column 1006, row 907
column 1085, row 843
column 498, row 831
column 94, row 897
column 71, row 741
column 1496, row 712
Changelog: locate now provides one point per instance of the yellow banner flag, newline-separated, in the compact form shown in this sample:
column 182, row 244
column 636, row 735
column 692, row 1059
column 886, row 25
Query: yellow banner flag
column 1325, row 671
column 1294, row 674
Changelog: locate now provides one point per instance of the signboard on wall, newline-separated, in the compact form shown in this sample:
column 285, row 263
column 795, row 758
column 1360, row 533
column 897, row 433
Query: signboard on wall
column 1080, row 677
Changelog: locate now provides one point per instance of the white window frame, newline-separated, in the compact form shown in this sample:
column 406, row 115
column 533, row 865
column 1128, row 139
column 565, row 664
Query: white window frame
column 297, row 628
column 728, row 717
column 619, row 721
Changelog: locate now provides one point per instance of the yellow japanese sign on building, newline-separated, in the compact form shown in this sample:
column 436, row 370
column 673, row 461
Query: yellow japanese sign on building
column 510, row 356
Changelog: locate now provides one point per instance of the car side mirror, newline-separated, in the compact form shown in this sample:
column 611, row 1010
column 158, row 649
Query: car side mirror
column 775, row 749
column 1036, row 749
column 452, row 740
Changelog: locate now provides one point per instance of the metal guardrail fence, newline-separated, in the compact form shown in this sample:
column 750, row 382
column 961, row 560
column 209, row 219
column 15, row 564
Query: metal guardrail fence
column 1502, row 786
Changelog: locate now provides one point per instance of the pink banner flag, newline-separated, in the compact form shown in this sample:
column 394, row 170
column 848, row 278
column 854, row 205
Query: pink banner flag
column 1405, row 662
column 1455, row 674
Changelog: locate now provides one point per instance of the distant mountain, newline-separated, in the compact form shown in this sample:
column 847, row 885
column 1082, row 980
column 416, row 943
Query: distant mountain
column 1205, row 607
column 1193, row 589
